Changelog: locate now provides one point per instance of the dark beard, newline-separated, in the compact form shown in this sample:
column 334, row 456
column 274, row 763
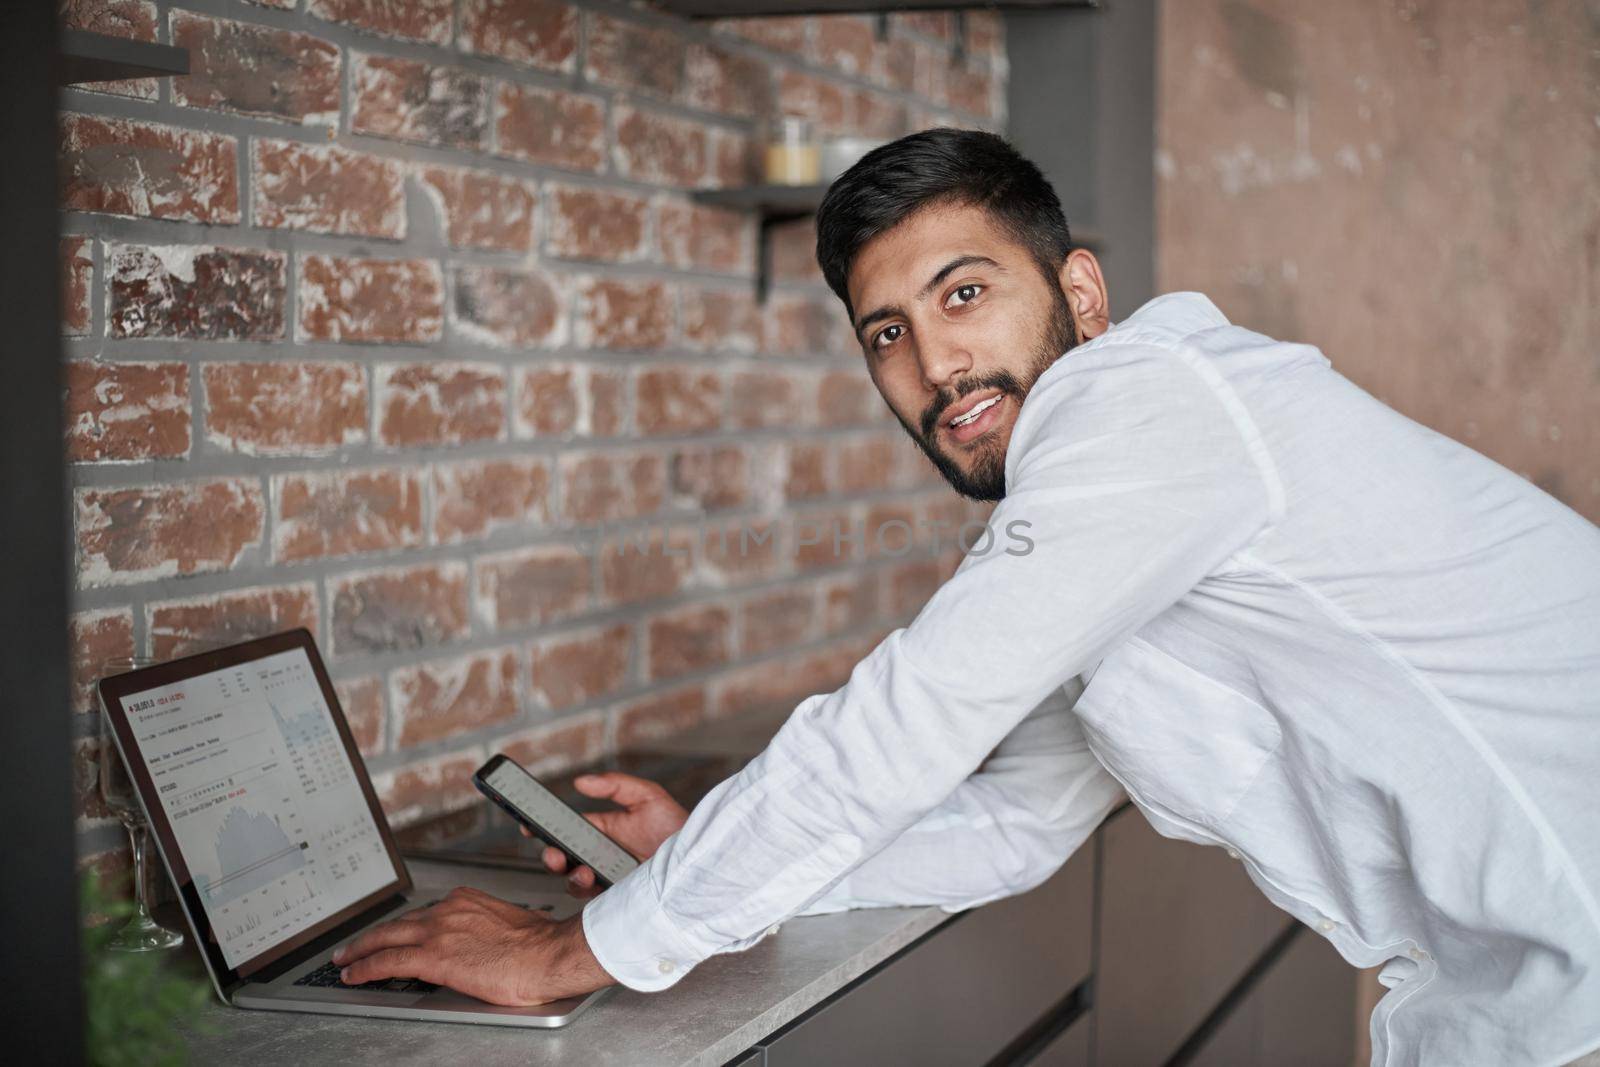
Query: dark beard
column 987, row 478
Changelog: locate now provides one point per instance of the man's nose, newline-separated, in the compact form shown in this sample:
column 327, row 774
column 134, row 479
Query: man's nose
column 943, row 363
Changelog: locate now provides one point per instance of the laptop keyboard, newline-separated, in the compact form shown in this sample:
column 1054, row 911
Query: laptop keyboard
column 327, row 976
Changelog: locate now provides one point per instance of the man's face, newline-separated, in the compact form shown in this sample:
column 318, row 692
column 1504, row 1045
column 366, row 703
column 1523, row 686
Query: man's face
column 957, row 322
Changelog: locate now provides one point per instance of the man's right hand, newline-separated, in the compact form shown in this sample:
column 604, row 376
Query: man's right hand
column 646, row 816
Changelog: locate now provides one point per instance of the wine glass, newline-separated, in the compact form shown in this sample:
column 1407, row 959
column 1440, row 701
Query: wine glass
column 141, row 933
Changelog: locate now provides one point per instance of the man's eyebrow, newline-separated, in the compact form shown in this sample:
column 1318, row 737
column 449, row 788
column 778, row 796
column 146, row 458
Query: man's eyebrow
column 890, row 310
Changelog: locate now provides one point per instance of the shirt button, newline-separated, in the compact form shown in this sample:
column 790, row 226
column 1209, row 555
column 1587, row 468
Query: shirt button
column 665, row 966
column 1418, row 954
column 1326, row 926
column 1233, row 853
column 772, row 930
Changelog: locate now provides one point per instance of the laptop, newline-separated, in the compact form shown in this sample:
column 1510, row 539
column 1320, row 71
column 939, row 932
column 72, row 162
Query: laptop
column 265, row 818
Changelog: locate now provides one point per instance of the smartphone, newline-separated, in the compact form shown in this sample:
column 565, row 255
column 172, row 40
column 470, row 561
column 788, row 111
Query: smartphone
column 527, row 800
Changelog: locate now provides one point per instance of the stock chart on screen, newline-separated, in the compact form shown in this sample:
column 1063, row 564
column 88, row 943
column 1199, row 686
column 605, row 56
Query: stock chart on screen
column 263, row 800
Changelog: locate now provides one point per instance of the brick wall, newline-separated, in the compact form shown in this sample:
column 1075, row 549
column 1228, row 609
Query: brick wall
column 395, row 320
column 1412, row 188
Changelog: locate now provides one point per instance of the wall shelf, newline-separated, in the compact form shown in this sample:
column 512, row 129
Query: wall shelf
column 96, row 57
column 719, row 9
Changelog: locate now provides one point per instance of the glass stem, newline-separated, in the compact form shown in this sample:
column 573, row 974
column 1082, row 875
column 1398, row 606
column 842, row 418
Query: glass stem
column 136, row 832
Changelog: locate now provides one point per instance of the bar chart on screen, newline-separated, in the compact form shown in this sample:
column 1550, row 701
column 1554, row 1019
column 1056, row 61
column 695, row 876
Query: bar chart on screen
column 262, row 798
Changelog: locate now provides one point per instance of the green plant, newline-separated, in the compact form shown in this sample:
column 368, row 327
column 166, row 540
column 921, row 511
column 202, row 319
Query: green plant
column 132, row 999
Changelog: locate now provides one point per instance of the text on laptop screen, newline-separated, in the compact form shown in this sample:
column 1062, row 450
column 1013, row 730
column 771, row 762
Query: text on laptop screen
column 262, row 797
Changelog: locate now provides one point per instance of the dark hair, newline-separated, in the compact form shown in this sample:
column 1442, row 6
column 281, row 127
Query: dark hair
column 944, row 167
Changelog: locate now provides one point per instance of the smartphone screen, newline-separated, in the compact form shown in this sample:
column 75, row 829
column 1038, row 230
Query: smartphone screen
column 504, row 781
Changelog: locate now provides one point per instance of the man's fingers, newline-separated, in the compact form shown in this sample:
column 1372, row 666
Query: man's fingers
column 621, row 788
column 581, row 880
column 407, row 962
column 554, row 860
column 393, row 934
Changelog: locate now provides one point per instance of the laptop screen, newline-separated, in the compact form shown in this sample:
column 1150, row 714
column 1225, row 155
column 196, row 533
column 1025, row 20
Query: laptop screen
column 260, row 794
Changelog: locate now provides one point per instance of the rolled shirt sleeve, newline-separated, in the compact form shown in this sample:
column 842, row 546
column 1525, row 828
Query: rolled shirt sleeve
column 1131, row 476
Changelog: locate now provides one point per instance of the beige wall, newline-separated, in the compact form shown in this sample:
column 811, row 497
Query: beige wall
column 1412, row 187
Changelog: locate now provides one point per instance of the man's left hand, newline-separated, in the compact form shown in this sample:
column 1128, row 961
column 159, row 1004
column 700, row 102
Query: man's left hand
column 479, row 945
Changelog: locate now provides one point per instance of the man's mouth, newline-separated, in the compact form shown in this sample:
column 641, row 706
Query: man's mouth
column 974, row 416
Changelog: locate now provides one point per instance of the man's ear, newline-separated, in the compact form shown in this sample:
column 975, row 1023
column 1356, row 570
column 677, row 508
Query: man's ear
column 1085, row 289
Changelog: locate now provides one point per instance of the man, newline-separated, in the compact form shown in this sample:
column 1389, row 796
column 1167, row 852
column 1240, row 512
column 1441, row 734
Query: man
column 1286, row 620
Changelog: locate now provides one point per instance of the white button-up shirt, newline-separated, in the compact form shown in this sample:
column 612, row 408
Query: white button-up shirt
column 1356, row 653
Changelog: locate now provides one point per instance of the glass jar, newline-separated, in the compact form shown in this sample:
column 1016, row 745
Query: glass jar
column 793, row 155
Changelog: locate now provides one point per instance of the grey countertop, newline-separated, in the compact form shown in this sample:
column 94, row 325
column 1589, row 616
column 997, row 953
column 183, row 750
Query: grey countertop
column 716, row 1012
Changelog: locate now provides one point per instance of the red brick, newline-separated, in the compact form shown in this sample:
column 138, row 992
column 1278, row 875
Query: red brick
column 711, row 478
column 721, row 320
column 327, row 189
column 551, row 127
column 972, row 88
column 440, row 403
column 134, row 19
column 736, row 160
column 393, row 300
column 628, row 55
column 794, row 251
column 126, row 411
column 608, row 487
column 876, row 115
column 936, row 24
column 481, row 209
column 236, row 66
column 620, row 314
column 438, row 700
column 155, row 531
column 361, row 699
column 112, row 868
column 891, row 530
column 821, row 99
column 558, row 746
column 660, row 149
column 740, row 551
column 785, row 683
column 696, row 237
column 399, row 609
column 808, row 472
column 539, row 33
column 340, row 513
column 909, row 585
column 589, row 223
column 808, row 325
column 284, row 409
column 688, row 640
column 89, row 807
column 77, row 279
column 477, row 497
column 565, row 399
column 510, row 308
column 763, row 398
column 677, row 400
column 930, row 68
column 645, row 566
column 141, row 169
column 827, row 538
column 407, row 100
column 94, row 639
column 847, row 43
column 789, row 34
column 777, row 620
column 200, row 293
column 866, row 464
column 197, row 624
column 410, row 20
column 577, row 668
column 848, row 398
column 659, row 717
column 716, row 79
column 848, row 602
column 428, row 787
column 530, row 586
